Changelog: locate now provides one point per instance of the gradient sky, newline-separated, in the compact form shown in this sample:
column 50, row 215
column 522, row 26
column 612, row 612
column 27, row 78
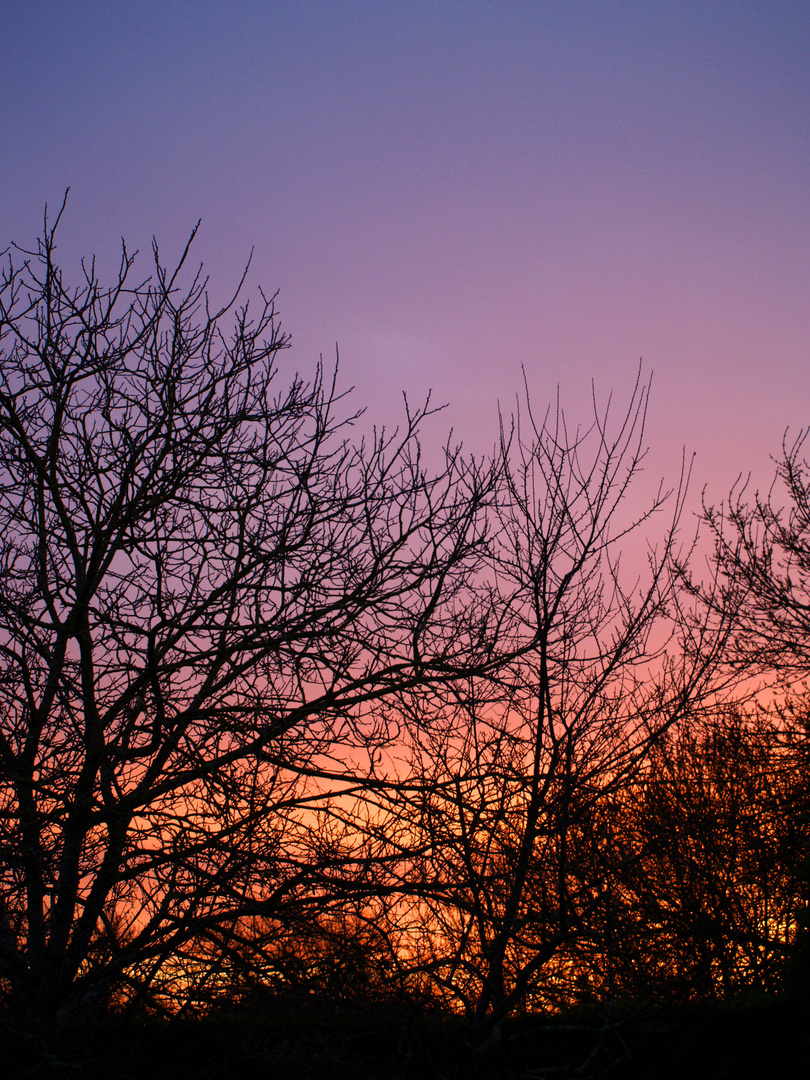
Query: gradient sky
column 455, row 190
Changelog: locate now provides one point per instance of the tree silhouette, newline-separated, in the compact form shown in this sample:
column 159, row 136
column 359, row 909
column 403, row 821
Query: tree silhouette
column 515, row 771
column 281, row 705
column 762, row 567
column 707, row 907
column 762, row 578
column 206, row 589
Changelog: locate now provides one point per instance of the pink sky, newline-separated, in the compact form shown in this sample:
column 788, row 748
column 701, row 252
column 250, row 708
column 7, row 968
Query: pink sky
column 456, row 190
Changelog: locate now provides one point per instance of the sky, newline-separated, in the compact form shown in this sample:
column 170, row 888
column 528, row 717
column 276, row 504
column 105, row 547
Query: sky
column 456, row 193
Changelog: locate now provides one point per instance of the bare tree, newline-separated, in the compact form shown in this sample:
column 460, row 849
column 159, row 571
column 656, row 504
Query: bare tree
column 761, row 567
column 520, row 766
column 707, row 908
column 206, row 587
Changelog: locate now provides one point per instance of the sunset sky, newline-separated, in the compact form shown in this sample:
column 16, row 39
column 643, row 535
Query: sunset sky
column 454, row 191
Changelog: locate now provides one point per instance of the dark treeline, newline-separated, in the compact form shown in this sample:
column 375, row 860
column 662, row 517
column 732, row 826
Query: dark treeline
column 289, row 715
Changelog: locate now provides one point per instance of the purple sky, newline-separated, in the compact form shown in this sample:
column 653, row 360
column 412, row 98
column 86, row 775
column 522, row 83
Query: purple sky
column 452, row 190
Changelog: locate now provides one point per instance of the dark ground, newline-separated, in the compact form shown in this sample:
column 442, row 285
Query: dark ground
column 369, row 1042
